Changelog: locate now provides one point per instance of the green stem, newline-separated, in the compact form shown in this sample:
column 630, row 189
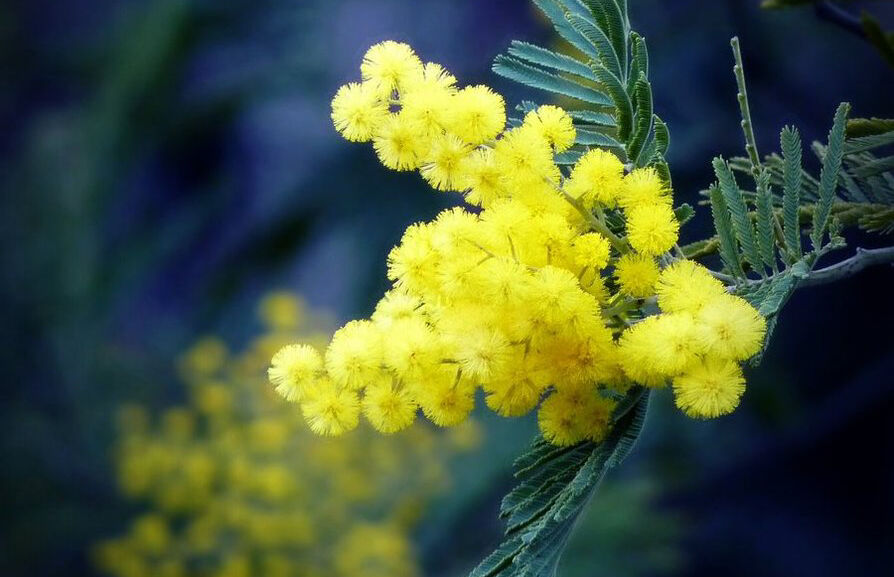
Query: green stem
column 742, row 96
column 617, row 242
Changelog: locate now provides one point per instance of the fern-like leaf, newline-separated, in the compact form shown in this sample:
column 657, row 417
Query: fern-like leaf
column 613, row 19
column 829, row 175
column 554, row 485
column 729, row 248
column 548, row 59
column 735, row 202
column 662, row 136
column 766, row 240
column 639, row 62
column 790, row 143
column 589, row 30
column 619, row 98
column 554, row 10
column 523, row 73
column 643, row 123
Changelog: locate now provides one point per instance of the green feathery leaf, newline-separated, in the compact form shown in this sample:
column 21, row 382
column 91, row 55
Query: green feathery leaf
column 591, row 117
column 790, row 143
column 589, row 30
column 592, row 138
column 612, row 17
column 729, row 249
column 639, row 63
column 867, row 143
column 555, row 12
column 642, row 96
column 549, row 59
column 829, row 175
column 874, row 167
column 735, row 202
column 555, row 484
column 765, row 221
column 619, row 97
column 662, row 136
column 684, row 213
column 857, row 127
column 516, row 70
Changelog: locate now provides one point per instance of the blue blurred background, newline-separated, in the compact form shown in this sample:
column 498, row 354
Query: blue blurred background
column 165, row 163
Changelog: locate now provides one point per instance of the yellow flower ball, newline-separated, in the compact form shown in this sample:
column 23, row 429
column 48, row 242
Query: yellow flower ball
column 709, row 389
column 652, row 229
column 596, row 179
column 357, row 112
column 553, row 125
column 388, row 66
column 477, row 114
column 637, row 275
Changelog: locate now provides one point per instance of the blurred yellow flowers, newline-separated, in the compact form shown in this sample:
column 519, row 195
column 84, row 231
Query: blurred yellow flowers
column 236, row 486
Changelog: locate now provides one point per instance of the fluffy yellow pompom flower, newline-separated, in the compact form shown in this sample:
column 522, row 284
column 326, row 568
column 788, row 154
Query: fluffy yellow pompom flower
column 637, row 355
column 709, row 389
column 293, row 369
column 433, row 76
column 557, row 422
column 595, row 416
column 446, row 403
column 387, row 66
column 568, row 417
column 513, row 394
column 513, row 298
column 394, row 306
column 477, row 114
column 481, row 353
column 652, row 228
column 428, row 99
column 357, row 111
column 397, row 143
column 480, row 177
column 637, row 274
column 597, row 178
column 443, row 165
column 524, row 158
column 388, row 408
column 674, row 346
column 686, row 286
column 731, row 328
column 410, row 263
column 591, row 250
column 331, row 411
column 643, row 187
column 552, row 124
column 413, row 349
column 354, row 356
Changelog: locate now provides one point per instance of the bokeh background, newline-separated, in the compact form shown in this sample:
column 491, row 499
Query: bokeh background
column 165, row 163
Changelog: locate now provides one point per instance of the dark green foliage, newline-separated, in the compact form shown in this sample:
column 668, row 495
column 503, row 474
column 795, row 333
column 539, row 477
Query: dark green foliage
column 740, row 217
column 729, row 251
column 790, row 142
column 555, row 484
column 529, row 75
column 829, row 176
column 608, row 71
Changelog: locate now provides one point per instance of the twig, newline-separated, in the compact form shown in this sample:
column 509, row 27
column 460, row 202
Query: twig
column 831, row 13
column 849, row 267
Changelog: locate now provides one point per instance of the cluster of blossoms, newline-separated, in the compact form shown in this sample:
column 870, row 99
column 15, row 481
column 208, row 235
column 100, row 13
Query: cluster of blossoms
column 228, row 489
column 554, row 290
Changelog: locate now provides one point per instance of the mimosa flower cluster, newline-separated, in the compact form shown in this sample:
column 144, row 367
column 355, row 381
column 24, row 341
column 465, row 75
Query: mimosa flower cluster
column 556, row 290
column 228, row 486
